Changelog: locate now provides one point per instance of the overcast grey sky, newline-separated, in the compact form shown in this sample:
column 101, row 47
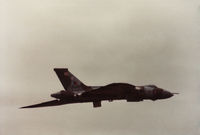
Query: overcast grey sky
column 102, row 41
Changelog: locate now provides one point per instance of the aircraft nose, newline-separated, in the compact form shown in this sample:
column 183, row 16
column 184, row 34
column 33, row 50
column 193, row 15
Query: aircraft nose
column 167, row 94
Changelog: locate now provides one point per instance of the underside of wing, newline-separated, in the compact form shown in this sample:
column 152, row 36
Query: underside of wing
column 46, row 104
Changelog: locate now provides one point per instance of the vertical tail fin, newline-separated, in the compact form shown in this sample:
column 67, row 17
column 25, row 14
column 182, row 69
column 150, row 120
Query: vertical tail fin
column 69, row 81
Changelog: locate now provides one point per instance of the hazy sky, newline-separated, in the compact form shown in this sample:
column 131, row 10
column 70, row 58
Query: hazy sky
column 102, row 41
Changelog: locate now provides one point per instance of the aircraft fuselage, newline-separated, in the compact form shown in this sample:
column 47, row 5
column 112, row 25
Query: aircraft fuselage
column 77, row 92
column 114, row 91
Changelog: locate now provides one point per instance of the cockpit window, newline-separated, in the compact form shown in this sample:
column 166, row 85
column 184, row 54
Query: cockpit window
column 150, row 87
column 154, row 86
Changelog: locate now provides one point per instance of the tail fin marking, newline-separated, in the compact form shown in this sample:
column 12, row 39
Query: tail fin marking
column 69, row 81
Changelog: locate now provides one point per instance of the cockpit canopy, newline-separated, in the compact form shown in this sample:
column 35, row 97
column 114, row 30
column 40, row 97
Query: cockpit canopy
column 150, row 87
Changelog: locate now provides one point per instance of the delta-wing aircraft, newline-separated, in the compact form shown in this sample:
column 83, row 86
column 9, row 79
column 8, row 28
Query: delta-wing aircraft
column 77, row 92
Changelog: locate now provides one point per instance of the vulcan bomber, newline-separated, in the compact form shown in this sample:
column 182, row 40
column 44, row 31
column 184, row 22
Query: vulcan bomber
column 77, row 92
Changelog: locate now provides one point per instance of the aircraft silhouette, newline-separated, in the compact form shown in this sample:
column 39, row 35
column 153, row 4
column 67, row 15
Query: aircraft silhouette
column 77, row 92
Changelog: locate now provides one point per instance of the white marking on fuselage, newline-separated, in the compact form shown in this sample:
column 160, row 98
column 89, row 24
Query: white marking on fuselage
column 138, row 88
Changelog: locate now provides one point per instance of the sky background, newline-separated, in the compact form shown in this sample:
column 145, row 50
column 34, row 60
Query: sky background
column 102, row 41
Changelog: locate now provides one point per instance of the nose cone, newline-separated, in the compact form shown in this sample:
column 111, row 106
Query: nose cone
column 167, row 94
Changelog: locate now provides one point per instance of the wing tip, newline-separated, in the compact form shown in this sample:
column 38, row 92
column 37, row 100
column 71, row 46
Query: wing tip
column 24, row 107
column 45, row 104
